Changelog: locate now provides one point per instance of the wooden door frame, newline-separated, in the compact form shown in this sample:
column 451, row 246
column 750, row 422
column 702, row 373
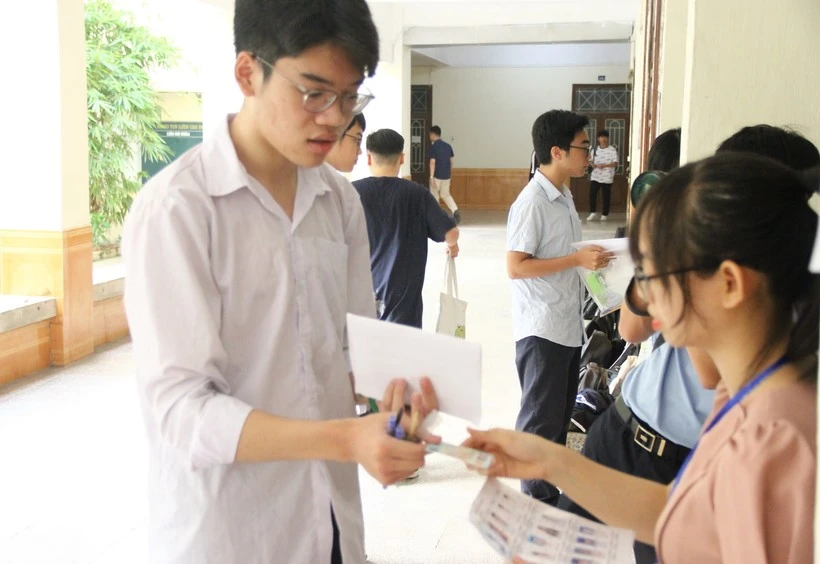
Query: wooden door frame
column 424, row 176
column 580, row 186
column 650, row 96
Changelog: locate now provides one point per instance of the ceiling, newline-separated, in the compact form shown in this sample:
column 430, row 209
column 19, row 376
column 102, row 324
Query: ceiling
column 539, row 55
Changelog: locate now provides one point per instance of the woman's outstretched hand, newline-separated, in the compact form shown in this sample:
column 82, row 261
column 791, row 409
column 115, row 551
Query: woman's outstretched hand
column 517, row 455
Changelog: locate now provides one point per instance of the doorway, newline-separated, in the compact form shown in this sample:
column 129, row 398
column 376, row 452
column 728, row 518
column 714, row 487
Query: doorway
column 421, row 120
column 607, row 106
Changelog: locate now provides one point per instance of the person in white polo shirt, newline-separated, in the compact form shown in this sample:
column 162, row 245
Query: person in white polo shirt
column 604, row 161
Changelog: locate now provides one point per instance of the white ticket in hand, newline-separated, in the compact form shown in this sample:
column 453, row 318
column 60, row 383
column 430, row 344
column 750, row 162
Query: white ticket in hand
column 474, row 458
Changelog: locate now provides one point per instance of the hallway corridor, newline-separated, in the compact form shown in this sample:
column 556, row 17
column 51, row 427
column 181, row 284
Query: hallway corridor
column 73, row 448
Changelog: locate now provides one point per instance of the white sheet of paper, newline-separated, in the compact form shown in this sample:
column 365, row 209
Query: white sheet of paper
column 381, row 351
column 615, row 277
column 617, row 245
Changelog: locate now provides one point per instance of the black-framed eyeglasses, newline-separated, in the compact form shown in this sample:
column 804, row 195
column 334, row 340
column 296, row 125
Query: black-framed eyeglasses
column 642, row 279
column 356, row 139
column 318, row 100
column 587, row 149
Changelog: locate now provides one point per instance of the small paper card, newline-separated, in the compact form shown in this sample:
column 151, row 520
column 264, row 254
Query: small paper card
column 471, row 456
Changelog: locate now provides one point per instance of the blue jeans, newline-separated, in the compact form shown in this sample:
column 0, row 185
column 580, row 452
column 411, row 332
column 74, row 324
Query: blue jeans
column 548, row 374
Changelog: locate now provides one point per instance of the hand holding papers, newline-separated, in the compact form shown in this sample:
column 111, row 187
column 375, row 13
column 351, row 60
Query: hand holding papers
column 436, row 424
column 608, row 285
column 381, row 351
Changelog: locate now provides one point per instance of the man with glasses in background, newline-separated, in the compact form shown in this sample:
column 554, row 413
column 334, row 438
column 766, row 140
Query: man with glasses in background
column 547, row 292
column 346, row 153
column 243, row 258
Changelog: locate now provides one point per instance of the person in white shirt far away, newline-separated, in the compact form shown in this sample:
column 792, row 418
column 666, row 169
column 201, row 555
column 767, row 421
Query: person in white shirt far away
column 604, row 162
column 243, row 258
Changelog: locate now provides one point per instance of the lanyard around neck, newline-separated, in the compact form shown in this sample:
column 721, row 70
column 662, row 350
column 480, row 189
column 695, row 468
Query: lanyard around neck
column 733, row 401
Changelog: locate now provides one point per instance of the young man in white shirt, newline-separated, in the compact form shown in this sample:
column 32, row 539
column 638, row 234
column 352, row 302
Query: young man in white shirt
column 242, row 259
column 546, row 290
column 604, row 161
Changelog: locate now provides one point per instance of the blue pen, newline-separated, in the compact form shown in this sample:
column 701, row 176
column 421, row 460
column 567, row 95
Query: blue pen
column 394, row 425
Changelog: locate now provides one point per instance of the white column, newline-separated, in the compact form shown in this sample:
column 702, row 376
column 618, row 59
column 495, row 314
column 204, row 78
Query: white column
column 45, row 236
column 638, row 72
column 220, row 93
column 673, row 66
column 390, row 85
column 44, row 154
column 747, row 66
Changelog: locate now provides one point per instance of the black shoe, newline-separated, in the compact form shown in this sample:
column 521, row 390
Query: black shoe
column 457, row 217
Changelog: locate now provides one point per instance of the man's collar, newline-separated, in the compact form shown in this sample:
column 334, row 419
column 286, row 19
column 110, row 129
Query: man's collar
column 549, row 188
column 225, row 173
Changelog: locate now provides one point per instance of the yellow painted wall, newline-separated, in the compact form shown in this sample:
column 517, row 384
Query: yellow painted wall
column 181, row 106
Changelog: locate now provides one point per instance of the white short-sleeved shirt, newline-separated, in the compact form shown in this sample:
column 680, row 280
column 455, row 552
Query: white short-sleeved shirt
column 232, row 307
column 543, row 223
column 604, row 156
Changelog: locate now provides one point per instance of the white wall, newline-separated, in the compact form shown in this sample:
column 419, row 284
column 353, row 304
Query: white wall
column 44, row 154
column 767, row 72
column 391, row 106
column 445, row 14
column 487, row 114
column 638, row 72
column 673, row 65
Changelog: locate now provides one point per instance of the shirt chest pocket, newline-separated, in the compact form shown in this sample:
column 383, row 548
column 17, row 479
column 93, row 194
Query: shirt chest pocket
column 556, row 239
column 325, row 264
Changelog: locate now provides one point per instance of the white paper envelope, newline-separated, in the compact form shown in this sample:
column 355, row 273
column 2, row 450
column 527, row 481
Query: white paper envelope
column 381, row 351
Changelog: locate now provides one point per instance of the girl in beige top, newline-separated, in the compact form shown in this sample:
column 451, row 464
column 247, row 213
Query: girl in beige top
column 722, row 249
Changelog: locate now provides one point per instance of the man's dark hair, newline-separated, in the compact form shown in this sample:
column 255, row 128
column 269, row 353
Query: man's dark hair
column 436, row 130
column 664, row 154
column 778, row 143
column 603, row 133
column 273, row 29
column 385, row 144
column 359, row 120
column 556, row 128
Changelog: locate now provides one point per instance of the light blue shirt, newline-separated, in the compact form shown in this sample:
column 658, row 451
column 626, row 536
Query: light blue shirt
column 543, row 223
column 664, row 392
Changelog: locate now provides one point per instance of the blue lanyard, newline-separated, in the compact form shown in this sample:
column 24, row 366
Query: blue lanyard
column 733, row 401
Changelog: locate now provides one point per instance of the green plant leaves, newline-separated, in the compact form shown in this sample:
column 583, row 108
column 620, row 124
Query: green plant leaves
column 123, row 109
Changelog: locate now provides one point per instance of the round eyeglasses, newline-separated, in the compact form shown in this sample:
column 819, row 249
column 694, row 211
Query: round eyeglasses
column 642, row 279
column 318, row 100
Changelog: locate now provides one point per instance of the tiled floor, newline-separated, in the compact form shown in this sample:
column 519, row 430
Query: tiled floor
column 72, row 451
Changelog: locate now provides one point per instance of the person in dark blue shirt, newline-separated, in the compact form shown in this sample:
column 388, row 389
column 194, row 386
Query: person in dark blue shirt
column 401, row 215
column 441, row 169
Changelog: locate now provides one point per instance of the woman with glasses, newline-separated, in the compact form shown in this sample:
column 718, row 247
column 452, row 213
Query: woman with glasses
column 722, row 261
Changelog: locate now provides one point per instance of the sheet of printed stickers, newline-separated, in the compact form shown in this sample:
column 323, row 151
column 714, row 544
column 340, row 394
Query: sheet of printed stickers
column 527, row 531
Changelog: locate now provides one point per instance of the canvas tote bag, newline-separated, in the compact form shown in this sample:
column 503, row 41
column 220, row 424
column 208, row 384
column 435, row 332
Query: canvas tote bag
column 452, row 311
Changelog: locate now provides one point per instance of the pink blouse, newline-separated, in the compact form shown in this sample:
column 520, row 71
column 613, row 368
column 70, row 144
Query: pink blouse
column 748, row 493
